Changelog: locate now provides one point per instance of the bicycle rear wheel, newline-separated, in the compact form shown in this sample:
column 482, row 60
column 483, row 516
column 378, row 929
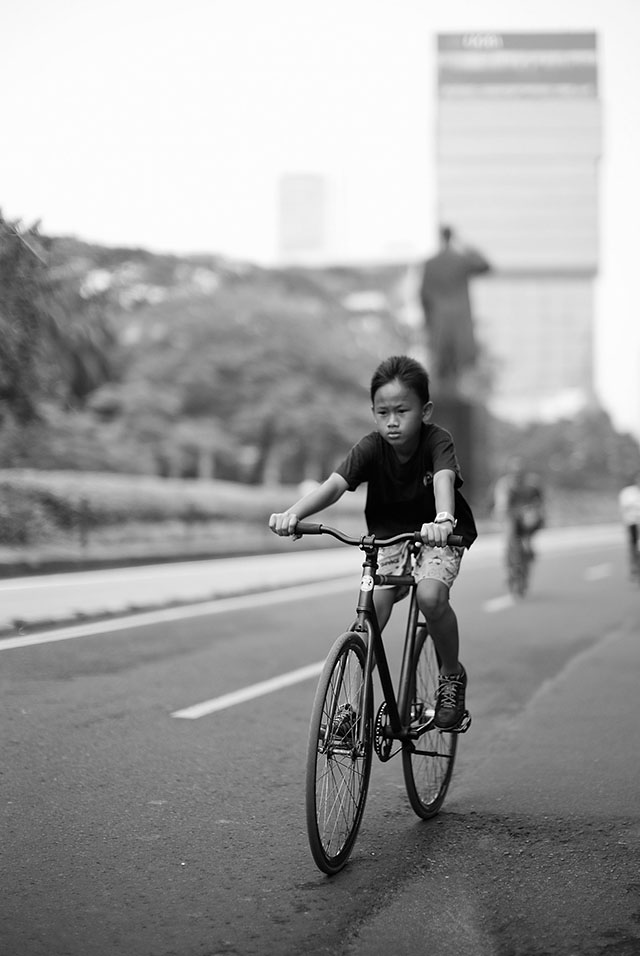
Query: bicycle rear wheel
column 427, row 761
column 338, row 754
column 517, row 568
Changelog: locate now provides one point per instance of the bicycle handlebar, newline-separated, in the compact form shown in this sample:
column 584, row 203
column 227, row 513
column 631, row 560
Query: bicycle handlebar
column 369, row 540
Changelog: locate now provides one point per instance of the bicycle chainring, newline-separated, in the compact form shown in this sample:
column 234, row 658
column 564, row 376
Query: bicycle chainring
column 381, row 743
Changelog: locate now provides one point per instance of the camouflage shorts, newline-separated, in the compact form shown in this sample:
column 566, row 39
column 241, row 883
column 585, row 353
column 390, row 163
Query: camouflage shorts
column 436, row 564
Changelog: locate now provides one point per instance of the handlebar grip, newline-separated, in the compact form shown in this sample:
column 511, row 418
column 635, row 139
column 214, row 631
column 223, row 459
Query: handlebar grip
column 308, row 527
column 455, row 540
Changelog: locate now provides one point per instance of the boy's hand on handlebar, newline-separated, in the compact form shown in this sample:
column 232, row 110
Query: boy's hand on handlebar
column 284, row 524
column 436, row 535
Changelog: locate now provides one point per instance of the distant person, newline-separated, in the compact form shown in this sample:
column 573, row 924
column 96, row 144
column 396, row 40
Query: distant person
column 445, row 301
column 519, row 504
column 629, row 503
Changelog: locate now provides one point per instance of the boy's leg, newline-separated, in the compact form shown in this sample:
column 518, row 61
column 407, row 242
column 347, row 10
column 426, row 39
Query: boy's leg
column 435, row 571
column 433, row 601
column 384, row 599
column 395, row 559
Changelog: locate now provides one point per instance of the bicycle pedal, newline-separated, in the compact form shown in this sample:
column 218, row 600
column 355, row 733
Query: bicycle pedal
column 464, row 724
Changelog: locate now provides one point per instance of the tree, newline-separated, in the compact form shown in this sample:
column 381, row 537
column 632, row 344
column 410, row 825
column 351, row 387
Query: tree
column 259, row 375
column 26, row 325
column 54, row 345
column 583, row 452
column 256, row 367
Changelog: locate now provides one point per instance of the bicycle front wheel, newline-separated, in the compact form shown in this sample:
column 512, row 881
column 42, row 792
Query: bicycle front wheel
column 428, row 760
column 338, row 754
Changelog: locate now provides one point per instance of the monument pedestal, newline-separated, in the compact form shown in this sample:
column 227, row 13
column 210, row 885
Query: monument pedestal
column 466, row 422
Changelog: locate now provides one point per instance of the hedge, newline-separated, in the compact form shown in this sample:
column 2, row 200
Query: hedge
column 36, row 505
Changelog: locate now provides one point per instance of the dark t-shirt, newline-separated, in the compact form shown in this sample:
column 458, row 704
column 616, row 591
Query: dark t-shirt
column 400, row 494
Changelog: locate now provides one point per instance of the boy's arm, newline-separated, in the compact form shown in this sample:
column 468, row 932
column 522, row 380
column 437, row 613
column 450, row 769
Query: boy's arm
column 444, row 495
column 443, row 491
column 317, row 500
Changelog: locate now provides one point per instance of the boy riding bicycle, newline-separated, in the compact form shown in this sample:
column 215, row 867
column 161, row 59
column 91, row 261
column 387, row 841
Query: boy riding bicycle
column 413, row 481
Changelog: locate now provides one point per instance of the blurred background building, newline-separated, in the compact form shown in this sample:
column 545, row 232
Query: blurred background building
column 518, row 143
column 302, row 219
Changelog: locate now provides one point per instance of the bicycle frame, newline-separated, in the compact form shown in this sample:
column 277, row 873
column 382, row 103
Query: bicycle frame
column 367, row 622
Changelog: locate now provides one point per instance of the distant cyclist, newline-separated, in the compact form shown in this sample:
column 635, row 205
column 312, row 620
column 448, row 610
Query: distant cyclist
column 629, row 503
column 519, row 504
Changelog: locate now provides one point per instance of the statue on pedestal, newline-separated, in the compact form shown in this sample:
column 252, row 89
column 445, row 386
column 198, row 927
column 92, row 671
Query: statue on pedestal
column 444, row 295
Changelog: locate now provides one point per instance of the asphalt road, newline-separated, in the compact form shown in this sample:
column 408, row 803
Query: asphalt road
column 150, row 809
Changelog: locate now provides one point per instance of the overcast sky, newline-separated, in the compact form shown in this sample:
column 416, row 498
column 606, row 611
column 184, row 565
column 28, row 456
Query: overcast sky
column 166, row 124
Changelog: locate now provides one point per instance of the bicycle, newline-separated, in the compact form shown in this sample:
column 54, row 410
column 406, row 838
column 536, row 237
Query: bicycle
column 343, row 733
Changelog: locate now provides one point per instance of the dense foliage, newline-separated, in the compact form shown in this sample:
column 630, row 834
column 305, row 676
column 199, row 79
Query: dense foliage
column 196, row 369
column 124, row 361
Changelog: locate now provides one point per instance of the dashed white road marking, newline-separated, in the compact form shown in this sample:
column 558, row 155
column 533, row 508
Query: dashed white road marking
column 498, row 603
column 249, row 693
column 598, row 571
column 285, row 680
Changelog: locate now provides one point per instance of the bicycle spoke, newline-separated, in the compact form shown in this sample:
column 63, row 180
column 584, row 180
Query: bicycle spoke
column 338, row 764
column 428, row 761
column 339, row 809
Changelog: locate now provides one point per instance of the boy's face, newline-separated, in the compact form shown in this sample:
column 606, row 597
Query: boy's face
column 398, row 414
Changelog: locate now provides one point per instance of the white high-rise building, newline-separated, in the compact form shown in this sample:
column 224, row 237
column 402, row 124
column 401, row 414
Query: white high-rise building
column 518, row 145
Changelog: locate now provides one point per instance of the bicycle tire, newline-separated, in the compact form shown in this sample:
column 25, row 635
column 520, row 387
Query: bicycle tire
column 518, row 569
column 337, row 777
column 517, row 582
column 428, row 761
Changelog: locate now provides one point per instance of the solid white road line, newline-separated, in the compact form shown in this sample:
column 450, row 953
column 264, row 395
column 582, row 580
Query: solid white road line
column 598, row 571
column 73, row 579
column 148, row 618
column 248, row 693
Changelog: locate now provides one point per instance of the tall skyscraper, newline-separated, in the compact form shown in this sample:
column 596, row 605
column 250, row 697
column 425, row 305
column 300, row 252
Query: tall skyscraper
column 518, row 144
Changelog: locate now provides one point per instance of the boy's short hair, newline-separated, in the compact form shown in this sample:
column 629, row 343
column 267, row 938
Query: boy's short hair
column 406, row 370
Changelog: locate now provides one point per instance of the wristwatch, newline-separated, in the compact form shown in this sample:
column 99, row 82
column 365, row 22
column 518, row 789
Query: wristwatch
column 443, row 516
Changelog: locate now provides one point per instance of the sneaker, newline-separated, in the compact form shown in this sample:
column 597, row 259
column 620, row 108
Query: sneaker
column 450, row 706
column 344, row 724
